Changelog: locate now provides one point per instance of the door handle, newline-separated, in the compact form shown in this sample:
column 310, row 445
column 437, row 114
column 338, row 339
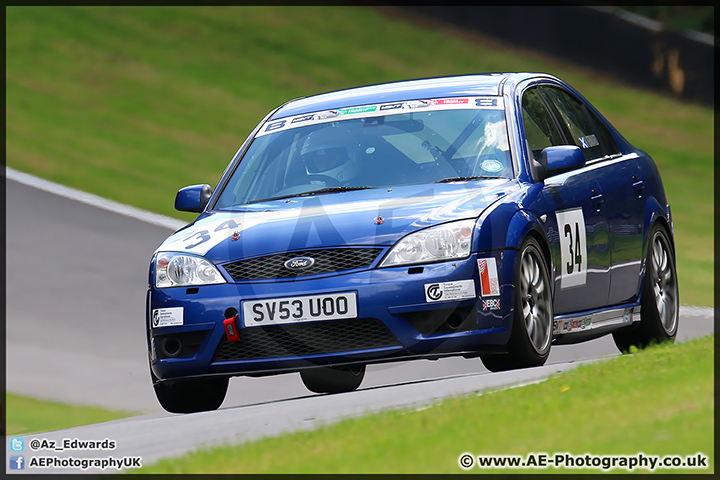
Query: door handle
column 638, row 186
column 597, row 199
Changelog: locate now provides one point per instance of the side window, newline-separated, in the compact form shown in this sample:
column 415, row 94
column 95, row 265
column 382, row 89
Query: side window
column 574, row 116
column 540, row 129
column 606, row 139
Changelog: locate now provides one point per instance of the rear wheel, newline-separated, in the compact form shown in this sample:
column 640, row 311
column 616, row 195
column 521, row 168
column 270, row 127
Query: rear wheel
column 191, row 395
column 333, row 379
column 529, row 344
column 659, row 306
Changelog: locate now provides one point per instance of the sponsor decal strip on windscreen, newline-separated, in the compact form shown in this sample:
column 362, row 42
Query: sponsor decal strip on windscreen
column 369, row 111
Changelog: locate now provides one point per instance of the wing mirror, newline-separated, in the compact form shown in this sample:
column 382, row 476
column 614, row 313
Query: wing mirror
column 559, row 159
column 193, row 198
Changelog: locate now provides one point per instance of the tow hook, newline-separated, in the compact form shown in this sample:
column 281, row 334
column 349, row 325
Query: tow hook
column 230, row 325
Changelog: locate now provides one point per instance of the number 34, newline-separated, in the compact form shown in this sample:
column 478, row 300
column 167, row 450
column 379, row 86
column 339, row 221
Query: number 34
column 573, row 248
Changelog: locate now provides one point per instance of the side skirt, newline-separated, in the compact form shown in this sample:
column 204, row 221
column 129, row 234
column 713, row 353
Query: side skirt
column 576, row 328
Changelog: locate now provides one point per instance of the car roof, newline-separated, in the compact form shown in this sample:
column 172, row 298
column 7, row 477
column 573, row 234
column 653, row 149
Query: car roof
column 426, row 88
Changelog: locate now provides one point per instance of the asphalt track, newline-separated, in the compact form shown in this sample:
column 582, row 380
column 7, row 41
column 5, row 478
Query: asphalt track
column 76, row 280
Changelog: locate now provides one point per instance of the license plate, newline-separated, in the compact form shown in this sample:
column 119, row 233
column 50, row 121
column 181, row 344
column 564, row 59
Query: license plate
column 279, row 311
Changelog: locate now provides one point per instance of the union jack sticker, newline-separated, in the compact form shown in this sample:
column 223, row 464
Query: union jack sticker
column 491, row 304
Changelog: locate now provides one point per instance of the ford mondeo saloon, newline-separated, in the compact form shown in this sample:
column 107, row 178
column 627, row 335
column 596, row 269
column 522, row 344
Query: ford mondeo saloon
column 492, row 216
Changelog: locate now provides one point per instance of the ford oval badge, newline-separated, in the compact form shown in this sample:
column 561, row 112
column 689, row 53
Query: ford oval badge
column 298, row 263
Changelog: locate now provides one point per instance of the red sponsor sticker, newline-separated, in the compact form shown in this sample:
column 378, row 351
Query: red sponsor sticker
column 449, row 101
column 489, row 283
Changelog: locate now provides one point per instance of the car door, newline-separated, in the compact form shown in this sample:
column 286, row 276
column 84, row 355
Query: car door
column 622, row 188
column 576, row 227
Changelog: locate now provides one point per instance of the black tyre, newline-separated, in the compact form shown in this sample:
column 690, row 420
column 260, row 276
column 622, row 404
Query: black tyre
column 659, row 305
column 192, row 395
column 333, row 379
column 529, row 344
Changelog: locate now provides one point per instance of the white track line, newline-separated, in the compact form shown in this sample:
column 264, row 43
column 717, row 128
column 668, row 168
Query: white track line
column 706, row 312
column 94, row 200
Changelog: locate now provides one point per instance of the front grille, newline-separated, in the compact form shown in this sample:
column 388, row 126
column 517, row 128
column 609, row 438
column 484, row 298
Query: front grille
column 306, row 339
column 326, row 261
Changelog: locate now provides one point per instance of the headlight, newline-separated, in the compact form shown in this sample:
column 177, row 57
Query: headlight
column 180, row 270
column 444, row 242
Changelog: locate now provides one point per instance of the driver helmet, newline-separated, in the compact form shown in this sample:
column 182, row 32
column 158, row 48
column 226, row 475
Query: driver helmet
column 331, row 151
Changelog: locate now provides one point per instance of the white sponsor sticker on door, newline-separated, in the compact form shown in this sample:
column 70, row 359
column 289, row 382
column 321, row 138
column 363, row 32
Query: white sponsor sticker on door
column 573, row 248
column 440, row 292
column 167, row 317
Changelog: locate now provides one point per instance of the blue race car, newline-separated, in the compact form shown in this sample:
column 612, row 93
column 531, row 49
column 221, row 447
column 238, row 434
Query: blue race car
column 480, row 215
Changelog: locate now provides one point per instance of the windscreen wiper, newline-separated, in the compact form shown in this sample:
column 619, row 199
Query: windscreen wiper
column 460, row 179
column 333, row 190
column 312, row 192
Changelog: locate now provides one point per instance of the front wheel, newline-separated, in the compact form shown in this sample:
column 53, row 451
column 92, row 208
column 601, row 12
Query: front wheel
column 659, row 305
column 529, row 344
column 333, row 379
column 191, row 395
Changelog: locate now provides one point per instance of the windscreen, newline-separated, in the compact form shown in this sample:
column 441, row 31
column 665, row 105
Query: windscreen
column 376, row 146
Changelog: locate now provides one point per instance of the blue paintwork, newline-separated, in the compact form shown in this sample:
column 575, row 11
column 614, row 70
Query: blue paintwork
column 192, row 198
column 561, row 158
column 621, row 198
column 343, row 219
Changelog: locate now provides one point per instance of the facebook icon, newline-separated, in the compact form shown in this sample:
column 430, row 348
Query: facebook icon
column 17, row 462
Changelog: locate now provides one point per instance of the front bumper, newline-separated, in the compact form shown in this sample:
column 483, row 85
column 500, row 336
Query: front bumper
column 395, row 321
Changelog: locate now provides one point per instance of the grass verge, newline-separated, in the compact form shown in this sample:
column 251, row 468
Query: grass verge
column 656, row 402
column 132, row 103
column 26, row 415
